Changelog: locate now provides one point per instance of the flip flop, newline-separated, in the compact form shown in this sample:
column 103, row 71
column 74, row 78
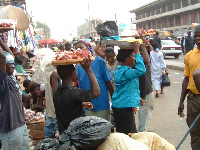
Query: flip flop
column 157, row 95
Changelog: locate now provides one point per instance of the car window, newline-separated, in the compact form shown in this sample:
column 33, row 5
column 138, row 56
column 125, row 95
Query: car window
column 168, row 42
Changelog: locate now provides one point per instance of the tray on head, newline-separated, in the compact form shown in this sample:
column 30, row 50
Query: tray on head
column 68, row 61
column 123, row 36
column 121, row 43
column 5, row 29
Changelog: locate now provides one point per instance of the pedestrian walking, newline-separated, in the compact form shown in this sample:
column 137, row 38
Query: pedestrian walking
column 146, row 90
column 158, row 66
column 192, row 59
column 127, row 95
column 68, row 46
column 111, row 64
column 183, row 45
column 92, row 43
column 157, row 39
column 53, row 82
column 189, row 42
column 68, row 99
column 13, row 130
column 101, row 104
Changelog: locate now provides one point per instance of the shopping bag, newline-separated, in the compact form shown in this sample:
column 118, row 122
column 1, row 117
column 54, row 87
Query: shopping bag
column 165, row 80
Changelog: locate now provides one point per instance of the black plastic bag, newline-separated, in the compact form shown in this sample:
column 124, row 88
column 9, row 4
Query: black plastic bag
column 55, row 134
column 48, row 144
column 30, row 55
column 85, row 133
column 107, row 29
column 165, row 80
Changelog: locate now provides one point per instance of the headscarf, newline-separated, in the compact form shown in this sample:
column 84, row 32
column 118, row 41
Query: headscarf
column 9, row 58
column 89, row 45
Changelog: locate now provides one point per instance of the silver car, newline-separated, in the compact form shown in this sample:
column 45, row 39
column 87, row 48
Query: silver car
column 170, row 48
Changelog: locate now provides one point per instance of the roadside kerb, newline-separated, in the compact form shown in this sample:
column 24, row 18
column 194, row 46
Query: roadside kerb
column 175, row 65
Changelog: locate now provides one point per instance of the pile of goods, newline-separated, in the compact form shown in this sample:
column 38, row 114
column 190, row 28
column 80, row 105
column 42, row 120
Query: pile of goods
column 141, row 32
column 146, row 32
column 69, row 57
column 6, row 25
column 124, row 41
column 31, row 115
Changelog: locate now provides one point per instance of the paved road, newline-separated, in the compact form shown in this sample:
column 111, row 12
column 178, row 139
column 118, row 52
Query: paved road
column 171, row 58
column 177, row 64
column 165, row 120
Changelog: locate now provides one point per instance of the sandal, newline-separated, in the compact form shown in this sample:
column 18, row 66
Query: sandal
column 157, row 95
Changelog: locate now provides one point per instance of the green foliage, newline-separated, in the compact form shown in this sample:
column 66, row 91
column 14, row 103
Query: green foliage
column 172, row 35
column 47, row 31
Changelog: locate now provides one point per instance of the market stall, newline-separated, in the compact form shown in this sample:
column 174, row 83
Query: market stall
column 16, row 32
column 35, row 123
column 36, row 130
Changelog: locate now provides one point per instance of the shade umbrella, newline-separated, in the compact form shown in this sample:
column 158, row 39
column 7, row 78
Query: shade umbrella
column 16, row 14
column 167, row 33
column 48, row 41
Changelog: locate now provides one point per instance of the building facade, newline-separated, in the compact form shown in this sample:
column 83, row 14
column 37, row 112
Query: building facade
column 174, row 15
column 39, row 33
column 12, row 2
column 88, row 29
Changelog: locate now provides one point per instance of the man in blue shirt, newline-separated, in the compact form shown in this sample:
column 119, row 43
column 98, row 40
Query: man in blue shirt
column 101, row 104
column 13, row 130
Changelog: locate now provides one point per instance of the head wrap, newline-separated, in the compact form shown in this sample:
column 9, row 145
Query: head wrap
column 20, row 58
column 9, row 58
column 157, row 49
column 88, row 44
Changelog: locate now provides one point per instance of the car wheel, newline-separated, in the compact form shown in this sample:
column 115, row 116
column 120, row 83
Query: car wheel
column 176, row 56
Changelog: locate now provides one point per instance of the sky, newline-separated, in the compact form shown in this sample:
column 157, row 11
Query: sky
column 64, row 16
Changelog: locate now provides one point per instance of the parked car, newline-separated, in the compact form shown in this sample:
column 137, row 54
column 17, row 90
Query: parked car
column 170, row 48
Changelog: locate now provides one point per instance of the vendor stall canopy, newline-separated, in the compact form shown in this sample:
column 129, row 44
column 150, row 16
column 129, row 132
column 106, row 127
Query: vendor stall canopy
column 16, row 14
column 48, row 41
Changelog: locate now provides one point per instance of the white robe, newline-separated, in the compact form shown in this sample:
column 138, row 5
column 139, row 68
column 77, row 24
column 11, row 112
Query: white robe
column 157, row 67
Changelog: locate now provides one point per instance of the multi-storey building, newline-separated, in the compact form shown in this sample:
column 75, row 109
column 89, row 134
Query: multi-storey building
column 175, row 15
column 12, row 2
column 88, row 29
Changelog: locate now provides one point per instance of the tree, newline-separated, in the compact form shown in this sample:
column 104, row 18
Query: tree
column 47, row 31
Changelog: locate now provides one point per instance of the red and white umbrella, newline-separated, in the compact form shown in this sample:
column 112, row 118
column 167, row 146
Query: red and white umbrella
column 48, row 41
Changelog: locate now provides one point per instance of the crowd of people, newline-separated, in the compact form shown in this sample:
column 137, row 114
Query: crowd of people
column 113, row 86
